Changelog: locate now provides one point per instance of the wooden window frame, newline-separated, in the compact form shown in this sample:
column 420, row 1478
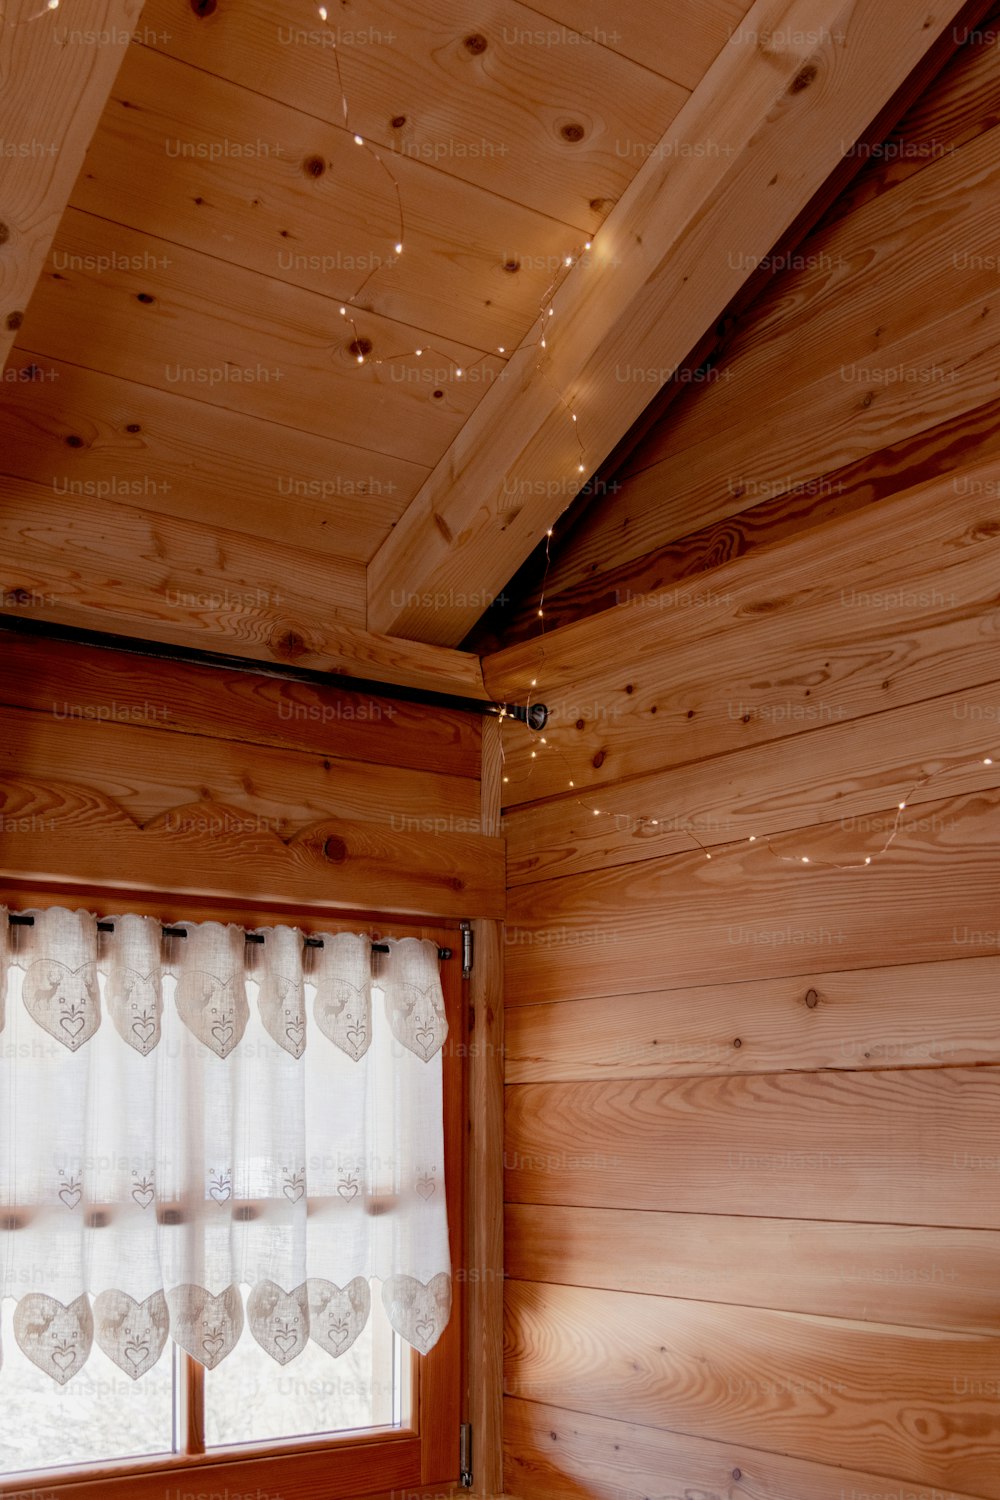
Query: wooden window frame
column 377, row 1462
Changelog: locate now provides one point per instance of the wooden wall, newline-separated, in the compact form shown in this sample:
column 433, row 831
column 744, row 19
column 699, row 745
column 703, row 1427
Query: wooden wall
column 753, row 1105
column 127, row 772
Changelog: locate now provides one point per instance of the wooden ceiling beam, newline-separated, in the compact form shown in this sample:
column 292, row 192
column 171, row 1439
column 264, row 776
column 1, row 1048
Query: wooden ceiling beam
column 57, row 69
column 794, row 88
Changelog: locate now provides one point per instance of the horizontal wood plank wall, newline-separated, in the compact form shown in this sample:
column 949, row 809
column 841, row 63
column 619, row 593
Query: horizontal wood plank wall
column 121, row 771
column 752, row 1142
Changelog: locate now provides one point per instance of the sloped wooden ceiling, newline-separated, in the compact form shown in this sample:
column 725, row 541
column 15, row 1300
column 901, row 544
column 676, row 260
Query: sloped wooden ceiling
column 198, row 448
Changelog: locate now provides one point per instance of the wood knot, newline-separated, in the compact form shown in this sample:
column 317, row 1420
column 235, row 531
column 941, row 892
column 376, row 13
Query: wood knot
column 598, row 760
column 737, row 1473
column 475, row 43
column 144, row 297
column 4, row 233
column 314, row 166
column 437, row 395
column 512, row 266
column 397, row 122
column 812, row 999
column 360, row 348
column 14, row 321
column 18, row 596
column 803, row 78
column 289, row 644
column 573, row 131
column 737, row 1041
column 581, row 724
column 203, row 7
column 73, row 441
column 133, row 427
column 335, row 850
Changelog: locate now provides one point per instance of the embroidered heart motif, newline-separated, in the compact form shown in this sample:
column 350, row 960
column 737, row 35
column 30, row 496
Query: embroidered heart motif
column 426, row 1187
column 282, row 1007
column 293, row 1191
column 70, row 1196
column 348, row 1189
column 215, row 1010
column 65, row 1002
column 343, row 1013
column 418, row 1311
column 207, row 1327
column 135, row 1003
column 337, row 1316
column 143, row 1194
column 417, row 1017
column 221, row 1191
column 132, row 1333
column 279, row 1320
column 55, row 1338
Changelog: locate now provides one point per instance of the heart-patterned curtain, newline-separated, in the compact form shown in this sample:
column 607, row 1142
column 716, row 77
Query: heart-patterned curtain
column 199, row 1133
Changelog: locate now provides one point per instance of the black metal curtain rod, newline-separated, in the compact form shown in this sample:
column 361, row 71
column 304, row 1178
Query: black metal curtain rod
column 534, row 715
column 19, row 919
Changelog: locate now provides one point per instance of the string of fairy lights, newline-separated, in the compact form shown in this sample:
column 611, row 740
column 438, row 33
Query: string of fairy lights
column 537, row 338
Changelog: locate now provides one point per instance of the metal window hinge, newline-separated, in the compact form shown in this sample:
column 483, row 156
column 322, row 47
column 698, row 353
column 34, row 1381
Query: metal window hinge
column 465, row 1454
column 466, row 949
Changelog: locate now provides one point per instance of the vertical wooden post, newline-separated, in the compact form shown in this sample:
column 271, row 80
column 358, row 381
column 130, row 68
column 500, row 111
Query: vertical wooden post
column 484, row 1241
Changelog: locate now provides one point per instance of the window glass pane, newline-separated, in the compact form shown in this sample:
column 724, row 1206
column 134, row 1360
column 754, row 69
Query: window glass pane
column 249, row 1398
column 98, row 1415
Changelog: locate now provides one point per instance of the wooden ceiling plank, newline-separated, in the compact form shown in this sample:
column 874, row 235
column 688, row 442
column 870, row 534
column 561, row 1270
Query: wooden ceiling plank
column 56, row 77
column 743, row 158
column 82, row 432
column 561, row 130
column 188, row 157
column 180, row 321
column 679, row 39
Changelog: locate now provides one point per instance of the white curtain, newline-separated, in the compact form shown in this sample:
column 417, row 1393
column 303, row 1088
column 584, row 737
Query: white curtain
column 203, row 1130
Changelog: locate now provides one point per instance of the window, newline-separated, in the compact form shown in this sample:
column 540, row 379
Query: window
column 380, row 1417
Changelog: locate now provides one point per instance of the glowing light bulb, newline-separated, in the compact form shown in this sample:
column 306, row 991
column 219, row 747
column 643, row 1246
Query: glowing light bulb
column 541, row 614
column 399, row 247
column 573, row 414
column 987, row 761
column 552, row 312
column 550, row 532
column 753, row 838
column 901, row 806
column 501, row 349
column 572, row 783
column 322, row 12
column 343, row 312
column 805, row 859
column 418, row 352
column 544, row 345
column 534, row 682
column 868, row 859
column 358, row 141
column 361, row 359
column 597, row 812
column 506, row 778
column 587, row 244
column 534, row 755
column 458, row 374
column 580, row 469
column 567, row 260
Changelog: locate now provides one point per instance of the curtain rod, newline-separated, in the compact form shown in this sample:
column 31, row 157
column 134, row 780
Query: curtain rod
column 534, row 715
column 18, row 919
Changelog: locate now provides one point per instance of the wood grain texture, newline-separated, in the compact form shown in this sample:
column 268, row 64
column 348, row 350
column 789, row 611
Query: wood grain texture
column 679, row 40
column 149, row 773
column 653, row 307
column 171, row 133
column 484, row 102
column 885, row 318
column 54, row 92
column 913, row 1404
column 97, row 435
column 858, row 771
column 562, row 1455
column 861, row 652
column 181, row 321
column 914, row 1016
column 915, row 1276
column 892, row 1147
column 938, row 522
column 686, row 920
column 63, row 833
column 76, row 682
